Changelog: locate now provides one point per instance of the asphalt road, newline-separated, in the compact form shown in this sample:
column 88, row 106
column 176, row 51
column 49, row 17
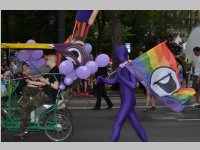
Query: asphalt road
column 161, row 125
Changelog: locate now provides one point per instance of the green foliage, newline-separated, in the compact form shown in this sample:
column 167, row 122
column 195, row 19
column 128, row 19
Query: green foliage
column 21, row 25
column 24, row 25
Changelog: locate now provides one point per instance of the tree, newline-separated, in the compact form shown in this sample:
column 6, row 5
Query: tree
column 26, row 24
column 115, row 28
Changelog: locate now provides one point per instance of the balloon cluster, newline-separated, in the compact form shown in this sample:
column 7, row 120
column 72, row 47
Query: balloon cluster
column 83, row 72
column 32, row 57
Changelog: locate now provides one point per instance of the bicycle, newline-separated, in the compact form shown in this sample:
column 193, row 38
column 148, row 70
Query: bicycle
column 52, row 118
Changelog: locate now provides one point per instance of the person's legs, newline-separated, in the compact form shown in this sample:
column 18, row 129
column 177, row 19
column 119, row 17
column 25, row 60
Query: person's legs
column 98, row 101
column 24, row 101
column 198, row 93
column 124, row 110
column 107, row 98
column 92, row 85
column 196, row 86
column 148, row 101
column 135, row 122
column 24, row 110
column 197, row 97
column 25, row 115
column 38, row 100
column 153, row 103
column 79, row 87
column 85, row 87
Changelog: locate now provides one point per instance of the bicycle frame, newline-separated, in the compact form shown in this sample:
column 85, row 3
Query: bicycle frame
column 13, row 123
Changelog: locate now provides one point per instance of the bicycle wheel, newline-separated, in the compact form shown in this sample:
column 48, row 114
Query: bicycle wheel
column 67, row 112
column 64, row 127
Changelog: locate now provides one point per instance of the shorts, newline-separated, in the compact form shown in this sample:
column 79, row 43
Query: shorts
column 196, row 85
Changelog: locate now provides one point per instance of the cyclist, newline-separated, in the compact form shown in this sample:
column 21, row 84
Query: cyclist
column 36, row 93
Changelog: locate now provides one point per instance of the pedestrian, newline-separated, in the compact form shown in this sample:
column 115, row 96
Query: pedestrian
column 76, row 87
column 180, row 73
column 127, row 83
column 85, row 87
column 196, row 79
column 91, row 85
column 186, row 68
column 150, row 102
column 101, row 91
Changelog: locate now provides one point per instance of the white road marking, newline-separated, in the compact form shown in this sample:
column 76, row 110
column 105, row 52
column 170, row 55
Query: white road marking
column 188, row 119
column 115, row 107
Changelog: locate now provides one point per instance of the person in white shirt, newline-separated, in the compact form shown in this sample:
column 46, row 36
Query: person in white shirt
column 196, row 79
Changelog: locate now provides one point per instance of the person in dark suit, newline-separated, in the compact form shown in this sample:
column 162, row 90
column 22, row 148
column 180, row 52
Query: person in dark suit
column 101, row 91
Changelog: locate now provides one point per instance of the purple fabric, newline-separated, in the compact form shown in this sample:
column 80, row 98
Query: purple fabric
column 144, row 78
column 65, row 49
column 127, row 82
column 121, row 54
column 61, row 47
column 83, row 15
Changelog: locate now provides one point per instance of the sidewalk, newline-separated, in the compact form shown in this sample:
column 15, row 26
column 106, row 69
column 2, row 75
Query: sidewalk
column 82, row 102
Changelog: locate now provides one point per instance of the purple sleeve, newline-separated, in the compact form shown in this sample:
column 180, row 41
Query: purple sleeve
column 111, row 81
column 83, row 15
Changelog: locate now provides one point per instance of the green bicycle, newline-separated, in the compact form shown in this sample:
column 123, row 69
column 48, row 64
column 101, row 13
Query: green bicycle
column 52, row 118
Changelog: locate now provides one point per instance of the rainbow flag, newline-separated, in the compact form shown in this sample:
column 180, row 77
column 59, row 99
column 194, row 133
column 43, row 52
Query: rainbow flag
column 157, row 71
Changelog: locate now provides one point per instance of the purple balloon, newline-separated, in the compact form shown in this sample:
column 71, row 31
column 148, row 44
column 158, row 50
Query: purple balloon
column 66, row 67
column 36, row 54
column 33, row 63
column 31, row 41
column 83, row 72
column 88, row 47
column 62, row 86
column 102, row 60
column 23, row 55
column 72, row 75
column 68, row 81
column 36, row 63
column 92, row 66
column 41, row 62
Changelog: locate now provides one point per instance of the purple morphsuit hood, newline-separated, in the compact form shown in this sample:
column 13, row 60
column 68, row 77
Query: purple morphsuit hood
column 121, row 54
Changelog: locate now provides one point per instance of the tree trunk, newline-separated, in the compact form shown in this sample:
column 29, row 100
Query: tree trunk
column 101, row 27
column 115, row 29
column 61, row 26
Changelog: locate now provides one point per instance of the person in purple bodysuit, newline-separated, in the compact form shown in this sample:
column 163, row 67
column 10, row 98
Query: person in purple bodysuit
column 127, row 83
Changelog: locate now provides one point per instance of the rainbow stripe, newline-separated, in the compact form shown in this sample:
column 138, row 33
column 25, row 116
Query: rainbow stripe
column 160, row 56
column 157, row 57
column 184, row 94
